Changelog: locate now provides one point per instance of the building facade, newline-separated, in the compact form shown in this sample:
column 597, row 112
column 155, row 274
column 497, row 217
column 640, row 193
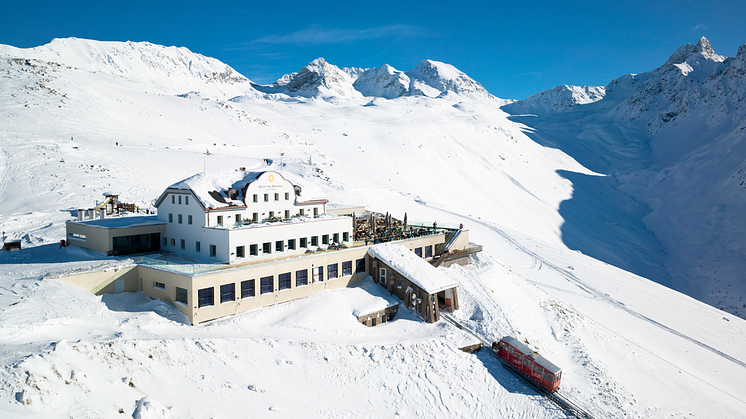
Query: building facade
column 246, row 216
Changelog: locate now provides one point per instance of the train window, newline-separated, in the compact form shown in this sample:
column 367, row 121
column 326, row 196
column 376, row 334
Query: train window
column 526, row 361
column 536, row 368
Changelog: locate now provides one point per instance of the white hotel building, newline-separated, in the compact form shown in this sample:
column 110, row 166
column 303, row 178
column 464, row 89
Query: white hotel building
column 246, row 216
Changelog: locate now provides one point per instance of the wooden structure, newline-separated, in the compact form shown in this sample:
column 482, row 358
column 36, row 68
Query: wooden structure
column 413, row 280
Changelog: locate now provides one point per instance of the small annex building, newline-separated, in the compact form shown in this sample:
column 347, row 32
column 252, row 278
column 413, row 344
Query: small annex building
column 413, row 280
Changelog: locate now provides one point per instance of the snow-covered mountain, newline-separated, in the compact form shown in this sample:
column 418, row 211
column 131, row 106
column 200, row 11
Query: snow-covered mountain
column 671, row 144
column 326, row 81
column 167, row 70
column 580, row 212
column 560, row 98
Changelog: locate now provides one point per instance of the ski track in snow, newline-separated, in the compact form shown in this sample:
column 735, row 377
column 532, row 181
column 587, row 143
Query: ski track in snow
column 592, row 292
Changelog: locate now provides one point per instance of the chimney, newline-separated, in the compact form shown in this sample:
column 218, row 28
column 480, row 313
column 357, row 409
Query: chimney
column 81, row 214
column 102, row 211
column 91, row 214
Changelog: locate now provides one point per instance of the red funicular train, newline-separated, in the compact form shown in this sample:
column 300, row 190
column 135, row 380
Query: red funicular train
column 524, row 359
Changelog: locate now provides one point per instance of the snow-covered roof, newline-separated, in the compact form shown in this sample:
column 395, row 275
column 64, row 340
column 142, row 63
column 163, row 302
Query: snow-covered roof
column 374, row 299
column 413, row 267
column 527, row 351
column 123, row 222
column 210, row 188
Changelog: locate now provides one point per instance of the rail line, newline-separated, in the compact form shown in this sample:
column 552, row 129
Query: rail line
column 558, row 398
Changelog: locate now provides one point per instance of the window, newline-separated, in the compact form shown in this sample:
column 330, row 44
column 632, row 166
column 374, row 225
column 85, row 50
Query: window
column 267, row 284
column 345, row 236
column 255, row 198
column 287, row 196
column 213, row 250
column 267, row 248
column 186, row 200
column 198, row 247
column 280, row 245
column 315, row 212
column 78, row 236
column 183, row 244
column 277, row 196
column 302, row 211
column 418, row 251
column 287, row 213
column 173, row 242
column 181, row 221
column 206, row 297
column 266, row 197
column 314, row 240
column 360, row 266
column 165, row 241
column 181, row 296
column 301, row 277
column 220, row 220
column 336, row 238
column 238, row 218
column 331, row 270
column 189, row 219
column 291, row 244
column 253, row 250
column 271, row 214
column 428, row 252
column 318, row 273
column 247, row 288
column 255, row 217
column 159, row 285
column 170, row 218
column 227, row 293
column 240, row 251
column 284, row 281
column 173, row 199
column 179, row 199
column 347, row 268
column 325, row 239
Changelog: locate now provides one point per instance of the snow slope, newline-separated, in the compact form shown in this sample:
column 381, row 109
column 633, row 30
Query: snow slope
column 671, row 144
column 628, row 346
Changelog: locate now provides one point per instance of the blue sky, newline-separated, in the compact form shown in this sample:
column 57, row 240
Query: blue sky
column 515, row 49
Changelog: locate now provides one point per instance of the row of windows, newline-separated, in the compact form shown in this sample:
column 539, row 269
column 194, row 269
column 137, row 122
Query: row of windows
column 186, row 199
column 255, row 197
column 197, row 246
column 428, row 251
column 291, row 244
column 180, row 218
column 206, row 296
column 271, row 214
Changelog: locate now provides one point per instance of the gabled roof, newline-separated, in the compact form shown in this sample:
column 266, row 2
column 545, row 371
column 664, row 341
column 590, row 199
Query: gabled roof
column 413, row 267
column 211, row 189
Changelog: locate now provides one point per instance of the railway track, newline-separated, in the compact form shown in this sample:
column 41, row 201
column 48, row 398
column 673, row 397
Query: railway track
column 558, row 398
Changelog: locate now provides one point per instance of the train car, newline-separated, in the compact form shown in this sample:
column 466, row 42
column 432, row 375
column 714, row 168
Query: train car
column 524, row 359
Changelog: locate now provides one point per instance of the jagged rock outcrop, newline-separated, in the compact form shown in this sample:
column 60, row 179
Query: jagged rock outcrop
column 693, row 80
column 385, row 81
column 558, row 99
column 323, row 80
